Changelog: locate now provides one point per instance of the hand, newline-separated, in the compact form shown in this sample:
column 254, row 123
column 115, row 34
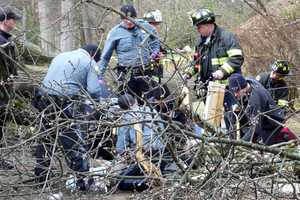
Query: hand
column 156, row 56
column 101, row 81
column 218, row 75
column 187, row 76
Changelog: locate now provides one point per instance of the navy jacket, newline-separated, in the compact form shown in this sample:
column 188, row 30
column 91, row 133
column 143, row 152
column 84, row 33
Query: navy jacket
column 262, row 114
column 7, row 65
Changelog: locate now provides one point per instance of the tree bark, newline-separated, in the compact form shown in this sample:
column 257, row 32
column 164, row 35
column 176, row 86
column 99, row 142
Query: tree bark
column 48, row 13
column 69, row 28
column 87, row 24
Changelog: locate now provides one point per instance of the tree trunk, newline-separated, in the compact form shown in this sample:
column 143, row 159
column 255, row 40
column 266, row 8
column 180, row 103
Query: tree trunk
column 69, row 27
column 48, row 13
column 24, row 22
column 123, row 2
column 87, row 24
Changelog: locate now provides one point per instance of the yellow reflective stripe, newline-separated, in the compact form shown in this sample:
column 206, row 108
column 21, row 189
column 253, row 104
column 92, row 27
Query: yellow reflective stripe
column 225, row 82
column 282, row 102
column 227, row 68
column 155, row 78
column 219, row 61
column 223, row 60
column 215, row 61
column 234, row 52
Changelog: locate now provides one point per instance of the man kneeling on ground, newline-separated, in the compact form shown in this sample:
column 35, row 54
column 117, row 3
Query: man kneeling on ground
column 259, row 117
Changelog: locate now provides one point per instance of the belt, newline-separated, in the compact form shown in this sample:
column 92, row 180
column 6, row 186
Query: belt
column 140, row 70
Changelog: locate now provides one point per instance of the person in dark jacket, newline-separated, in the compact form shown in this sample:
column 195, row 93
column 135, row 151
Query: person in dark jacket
column 218, row 52
column 259, row 117
column 8, row 68
column 217, row 55
column 274, row 81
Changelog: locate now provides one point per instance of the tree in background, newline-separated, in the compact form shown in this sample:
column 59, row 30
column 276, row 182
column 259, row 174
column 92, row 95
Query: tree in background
column 48, row 11
column 69, row 38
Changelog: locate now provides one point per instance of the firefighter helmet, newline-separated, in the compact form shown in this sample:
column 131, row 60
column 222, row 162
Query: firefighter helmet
column 202, row 16
column 281, row 67
column 154, row 16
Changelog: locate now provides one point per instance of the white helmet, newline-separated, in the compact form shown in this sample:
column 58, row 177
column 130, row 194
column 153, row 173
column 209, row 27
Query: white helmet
column 153, row 16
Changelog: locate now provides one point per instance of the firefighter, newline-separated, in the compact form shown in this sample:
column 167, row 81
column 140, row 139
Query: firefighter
column 218, row 53
column 8, row 67
column 259, row 117
column 154, row 17
column 274, row 81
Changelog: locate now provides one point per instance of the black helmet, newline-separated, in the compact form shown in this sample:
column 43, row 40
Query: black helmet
column 281, row 67
column 202, row 16
column 128, row 10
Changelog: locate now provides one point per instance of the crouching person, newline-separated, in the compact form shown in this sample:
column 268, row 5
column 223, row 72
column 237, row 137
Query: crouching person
column 71, row 75
column 142, row 139
column 260, row 119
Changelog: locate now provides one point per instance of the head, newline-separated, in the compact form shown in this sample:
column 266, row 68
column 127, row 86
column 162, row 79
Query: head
column 238, row 85
column 8, row 19
column 204, row 21
column 93, row 50
column 129, row 11
column 126, row 101
column 280, row 69
column 154, row 17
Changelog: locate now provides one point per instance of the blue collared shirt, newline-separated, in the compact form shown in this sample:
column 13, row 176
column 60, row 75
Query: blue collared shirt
column 71, row 73
column 133, row 47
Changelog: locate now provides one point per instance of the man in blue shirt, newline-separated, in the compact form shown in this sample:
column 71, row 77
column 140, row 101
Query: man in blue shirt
column 134, row 49
column 75, row 72
column 70, row 75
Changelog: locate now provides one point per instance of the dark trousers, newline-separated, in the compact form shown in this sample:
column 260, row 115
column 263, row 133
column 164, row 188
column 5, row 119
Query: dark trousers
column 70, row 138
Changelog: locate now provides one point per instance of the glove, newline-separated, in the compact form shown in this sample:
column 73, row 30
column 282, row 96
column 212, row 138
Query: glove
column 101, row 80
column 156, row 56
column 218, row 75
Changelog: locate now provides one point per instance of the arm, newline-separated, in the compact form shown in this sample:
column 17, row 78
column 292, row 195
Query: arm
column 235, row 56
column 253, row 110
column 94, row 87
column 154, row 42
column 282, row 95
column 109, row 47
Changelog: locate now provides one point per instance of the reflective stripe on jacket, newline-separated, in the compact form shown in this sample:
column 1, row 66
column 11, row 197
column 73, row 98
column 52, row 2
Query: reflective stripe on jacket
column 221, row 51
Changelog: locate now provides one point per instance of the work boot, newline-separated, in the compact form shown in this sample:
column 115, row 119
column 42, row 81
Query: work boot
column 6, row 164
